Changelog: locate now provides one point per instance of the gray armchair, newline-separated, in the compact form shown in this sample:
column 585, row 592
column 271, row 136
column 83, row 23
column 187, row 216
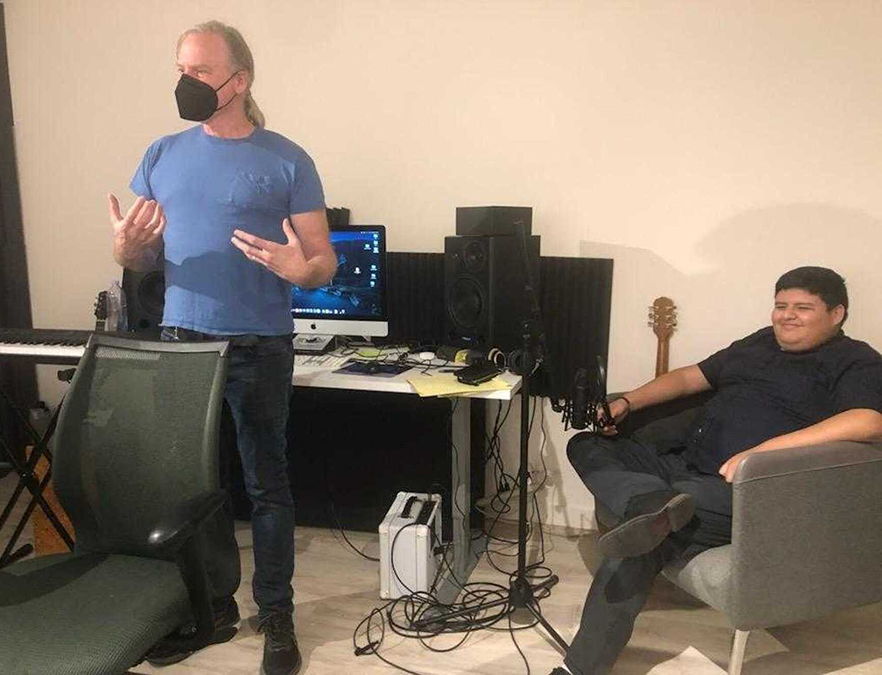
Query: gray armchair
column 806, row 533
column 135, row 467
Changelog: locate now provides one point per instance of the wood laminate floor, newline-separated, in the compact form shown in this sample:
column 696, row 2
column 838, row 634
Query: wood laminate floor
column 675, row 635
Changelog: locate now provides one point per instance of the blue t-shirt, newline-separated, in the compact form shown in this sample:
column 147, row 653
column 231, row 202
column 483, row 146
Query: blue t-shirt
column 208, row 187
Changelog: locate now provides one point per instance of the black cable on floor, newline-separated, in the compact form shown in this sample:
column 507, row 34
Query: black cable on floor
column 417, row 608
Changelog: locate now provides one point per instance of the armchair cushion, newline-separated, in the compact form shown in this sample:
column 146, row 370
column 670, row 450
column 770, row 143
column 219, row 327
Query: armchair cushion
column 707, row 576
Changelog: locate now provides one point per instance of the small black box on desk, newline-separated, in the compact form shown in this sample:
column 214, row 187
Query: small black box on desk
column 493, row 220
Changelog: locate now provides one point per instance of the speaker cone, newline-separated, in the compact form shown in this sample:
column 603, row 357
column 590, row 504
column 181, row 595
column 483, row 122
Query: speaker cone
column 465, row 302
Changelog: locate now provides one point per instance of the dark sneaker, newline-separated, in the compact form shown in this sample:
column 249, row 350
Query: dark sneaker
column 164, row 653
column 280, row 653
column 642, row 532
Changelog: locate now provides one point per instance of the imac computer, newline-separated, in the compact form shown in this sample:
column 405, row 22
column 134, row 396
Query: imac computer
column 354, row 303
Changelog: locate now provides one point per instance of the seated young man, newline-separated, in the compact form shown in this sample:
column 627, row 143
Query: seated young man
column 798, row 382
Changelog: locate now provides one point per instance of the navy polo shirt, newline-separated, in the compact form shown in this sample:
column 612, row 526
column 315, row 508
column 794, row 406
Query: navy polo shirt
column 762, row 391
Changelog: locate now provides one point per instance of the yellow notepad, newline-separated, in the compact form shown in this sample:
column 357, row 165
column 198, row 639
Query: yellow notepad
column 446, row 384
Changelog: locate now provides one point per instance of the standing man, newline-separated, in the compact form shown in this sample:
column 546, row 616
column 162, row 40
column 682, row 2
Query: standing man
column 239, row 214
column 799, row 382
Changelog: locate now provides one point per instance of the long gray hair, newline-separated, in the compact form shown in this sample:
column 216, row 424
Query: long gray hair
column 240, row 59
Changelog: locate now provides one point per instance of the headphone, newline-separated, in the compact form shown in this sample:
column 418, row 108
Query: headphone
column 498, row 358
column 520, row 363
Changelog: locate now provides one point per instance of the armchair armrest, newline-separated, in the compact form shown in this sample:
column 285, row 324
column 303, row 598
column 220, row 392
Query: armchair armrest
column 806, row 533
column 825, row 456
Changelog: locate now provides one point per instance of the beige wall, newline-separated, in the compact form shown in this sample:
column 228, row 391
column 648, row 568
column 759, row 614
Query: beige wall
column 705, row 146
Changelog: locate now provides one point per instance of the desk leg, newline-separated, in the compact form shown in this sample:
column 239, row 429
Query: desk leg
column 465, row 555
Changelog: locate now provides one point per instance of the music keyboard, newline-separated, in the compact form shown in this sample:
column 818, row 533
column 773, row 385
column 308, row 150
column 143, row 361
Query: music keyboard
column 44, row 345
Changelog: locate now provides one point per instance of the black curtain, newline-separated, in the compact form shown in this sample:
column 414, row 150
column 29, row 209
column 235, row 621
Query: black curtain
column 17, row 379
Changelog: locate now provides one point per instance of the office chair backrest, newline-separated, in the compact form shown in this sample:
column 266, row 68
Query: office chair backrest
column 137, row 438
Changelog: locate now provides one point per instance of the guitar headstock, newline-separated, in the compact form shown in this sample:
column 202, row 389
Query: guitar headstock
column 663, row 317
column 101, row 306
column 101, row 311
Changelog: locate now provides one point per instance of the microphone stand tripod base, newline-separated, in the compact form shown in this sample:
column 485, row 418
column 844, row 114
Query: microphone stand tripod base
column 523, row 595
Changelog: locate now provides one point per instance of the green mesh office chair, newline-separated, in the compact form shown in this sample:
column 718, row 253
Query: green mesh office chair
column 135, row 467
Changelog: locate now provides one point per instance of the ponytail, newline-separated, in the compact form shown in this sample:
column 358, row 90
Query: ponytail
column 253, row 112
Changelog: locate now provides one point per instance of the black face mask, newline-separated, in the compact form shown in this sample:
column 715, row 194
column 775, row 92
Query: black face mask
column 197, row 101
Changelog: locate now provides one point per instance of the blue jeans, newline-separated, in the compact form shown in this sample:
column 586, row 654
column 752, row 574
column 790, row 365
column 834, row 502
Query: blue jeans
column 258, row 392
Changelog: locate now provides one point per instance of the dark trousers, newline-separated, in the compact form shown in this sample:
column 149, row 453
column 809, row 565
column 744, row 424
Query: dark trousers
column 258, row 393
column 616, row 470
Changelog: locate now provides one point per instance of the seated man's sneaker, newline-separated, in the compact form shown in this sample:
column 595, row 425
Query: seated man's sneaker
column 649, row 518
column 225, row 620
column 281, row 655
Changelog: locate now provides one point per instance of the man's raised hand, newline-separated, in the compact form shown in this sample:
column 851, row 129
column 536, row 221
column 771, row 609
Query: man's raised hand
column 138, row 231
column 285, row 260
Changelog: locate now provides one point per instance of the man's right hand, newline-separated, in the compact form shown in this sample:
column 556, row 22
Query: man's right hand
column 619, row 410
column 673, row 385
column 138, row 233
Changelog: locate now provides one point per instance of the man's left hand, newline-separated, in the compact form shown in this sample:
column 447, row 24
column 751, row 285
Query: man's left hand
column 285, row 260
column 728, row 469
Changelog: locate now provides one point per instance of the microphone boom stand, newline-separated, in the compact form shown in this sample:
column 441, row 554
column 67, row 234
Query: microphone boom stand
column 521, row 593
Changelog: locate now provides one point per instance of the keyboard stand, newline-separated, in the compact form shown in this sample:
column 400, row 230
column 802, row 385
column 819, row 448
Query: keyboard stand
column 28, row 479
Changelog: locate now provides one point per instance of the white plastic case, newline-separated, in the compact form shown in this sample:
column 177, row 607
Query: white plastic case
column 409, row 534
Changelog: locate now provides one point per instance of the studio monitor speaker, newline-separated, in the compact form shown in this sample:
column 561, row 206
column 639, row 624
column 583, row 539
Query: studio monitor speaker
column 485, row 290
column 145, row 298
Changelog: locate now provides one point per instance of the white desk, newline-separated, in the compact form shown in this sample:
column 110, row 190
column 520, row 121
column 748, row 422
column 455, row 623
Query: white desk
column 465, row 554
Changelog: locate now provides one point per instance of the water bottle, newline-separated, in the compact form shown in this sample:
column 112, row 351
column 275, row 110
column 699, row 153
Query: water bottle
column 116, row 317
column 123, row 322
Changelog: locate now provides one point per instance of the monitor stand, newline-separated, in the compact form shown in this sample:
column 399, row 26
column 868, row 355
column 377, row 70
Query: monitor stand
column 313, row 344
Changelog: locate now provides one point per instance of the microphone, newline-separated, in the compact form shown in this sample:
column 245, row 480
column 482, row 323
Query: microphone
column 608, row 419
column 580, row 399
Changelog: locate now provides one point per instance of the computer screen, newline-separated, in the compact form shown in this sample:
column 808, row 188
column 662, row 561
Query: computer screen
column 354, row 303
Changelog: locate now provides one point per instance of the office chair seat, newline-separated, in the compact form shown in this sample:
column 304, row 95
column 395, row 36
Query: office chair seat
column 36, row 617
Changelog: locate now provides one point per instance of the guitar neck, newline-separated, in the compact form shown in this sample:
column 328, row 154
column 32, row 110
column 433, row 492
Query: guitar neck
column 661, row 356
column 663, row 319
